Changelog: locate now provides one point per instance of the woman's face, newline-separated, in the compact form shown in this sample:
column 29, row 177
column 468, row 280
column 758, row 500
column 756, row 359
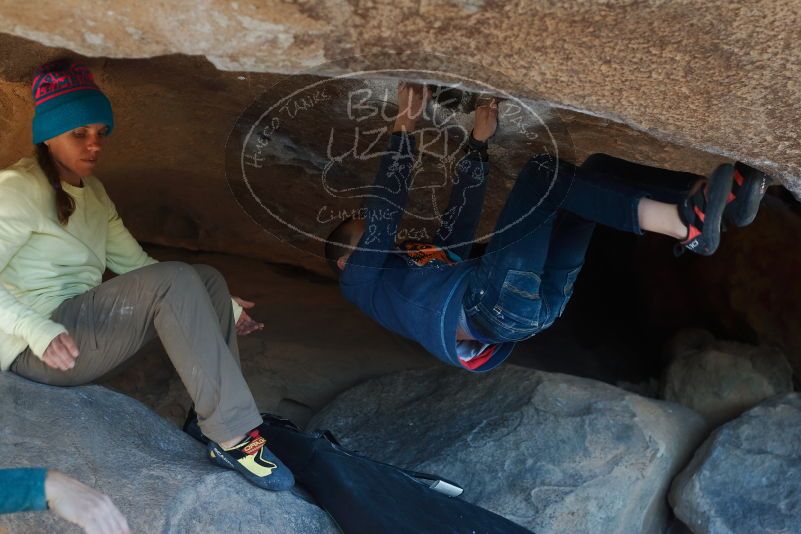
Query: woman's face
column 77, row 150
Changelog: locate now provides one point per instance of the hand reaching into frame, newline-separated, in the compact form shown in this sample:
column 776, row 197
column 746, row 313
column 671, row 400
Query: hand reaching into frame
column 80, row 504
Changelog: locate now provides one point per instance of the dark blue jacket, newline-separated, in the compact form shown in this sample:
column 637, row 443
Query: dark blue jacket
column 414, row 289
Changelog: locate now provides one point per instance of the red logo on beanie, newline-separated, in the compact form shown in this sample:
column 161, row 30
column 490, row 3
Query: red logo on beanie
column 58, row 78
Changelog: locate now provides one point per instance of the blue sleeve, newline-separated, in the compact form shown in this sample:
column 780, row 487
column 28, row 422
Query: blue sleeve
column 384, row 211
column 22, row 490
column 460, row 219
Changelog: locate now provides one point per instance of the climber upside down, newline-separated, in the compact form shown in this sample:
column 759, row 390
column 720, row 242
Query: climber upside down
column 470, row 314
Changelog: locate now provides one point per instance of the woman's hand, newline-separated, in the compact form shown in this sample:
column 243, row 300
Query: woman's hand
column 61, row 353
column 245, row 325
column 486, row 121
column 82, row 505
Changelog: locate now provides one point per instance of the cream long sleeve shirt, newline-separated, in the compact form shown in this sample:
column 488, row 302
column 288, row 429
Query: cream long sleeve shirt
column 43, row 263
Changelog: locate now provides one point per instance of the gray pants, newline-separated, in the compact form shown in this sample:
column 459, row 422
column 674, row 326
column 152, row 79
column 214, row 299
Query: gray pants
column 189, row 308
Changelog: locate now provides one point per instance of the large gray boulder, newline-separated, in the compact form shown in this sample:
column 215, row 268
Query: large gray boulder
column 722, row 379
column 157, row 476
column 552, row 452
column 746, row 478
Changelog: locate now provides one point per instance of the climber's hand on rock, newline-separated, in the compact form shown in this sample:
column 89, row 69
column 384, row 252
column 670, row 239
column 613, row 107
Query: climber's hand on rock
column 82, row 505
column 486, row 121
column 246, row 324
column 61, row 353
column 412, row 100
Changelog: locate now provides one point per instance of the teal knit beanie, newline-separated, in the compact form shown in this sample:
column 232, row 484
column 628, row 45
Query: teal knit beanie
column 66, row 97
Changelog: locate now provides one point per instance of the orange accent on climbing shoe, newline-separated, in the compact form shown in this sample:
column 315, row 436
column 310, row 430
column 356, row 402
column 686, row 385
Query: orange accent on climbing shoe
column 254, row 446
column 692, row 234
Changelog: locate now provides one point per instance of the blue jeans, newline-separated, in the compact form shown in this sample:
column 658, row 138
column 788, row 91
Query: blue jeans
column 525, row 278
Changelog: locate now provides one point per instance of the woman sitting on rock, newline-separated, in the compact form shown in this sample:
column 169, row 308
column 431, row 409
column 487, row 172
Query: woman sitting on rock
column 60, row 325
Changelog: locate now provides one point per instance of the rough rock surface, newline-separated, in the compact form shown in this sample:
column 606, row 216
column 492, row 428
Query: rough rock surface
column 552, row 452
column 746, row 478
column 706, row 74
column 722, row 379
column 157, row 476
column 167, row 157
